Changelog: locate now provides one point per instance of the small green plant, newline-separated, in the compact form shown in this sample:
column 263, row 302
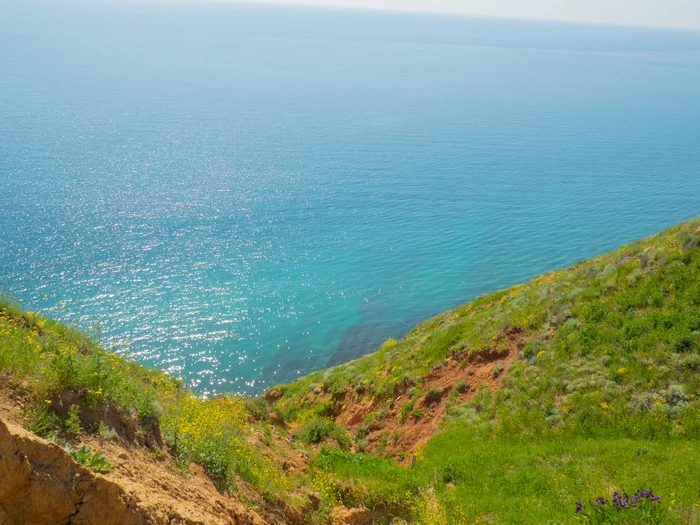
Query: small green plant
column 497, row 370
column 451, row 398
column 41, row 420
column 257, row 407
column 362, row 431
column 317, row 430
column 406, row 409
column 314, row 431
column 71, row 423
column 461, row 387
column 106, row 432
column 432, row 396
column 361, row 445
column 96, row 462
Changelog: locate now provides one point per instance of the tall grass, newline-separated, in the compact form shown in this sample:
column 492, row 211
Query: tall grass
column 51, row 358
column 521, row 480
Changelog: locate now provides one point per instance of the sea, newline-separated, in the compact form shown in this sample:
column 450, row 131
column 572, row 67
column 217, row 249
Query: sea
column 240, row 194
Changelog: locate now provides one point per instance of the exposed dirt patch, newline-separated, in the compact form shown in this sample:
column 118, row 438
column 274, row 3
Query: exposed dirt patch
column 358, row 516
column 393, row 434
column 40, row 483
column 144, row 432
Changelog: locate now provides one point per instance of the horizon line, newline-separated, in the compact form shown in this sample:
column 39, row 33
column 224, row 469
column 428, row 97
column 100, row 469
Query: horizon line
column 322, row 4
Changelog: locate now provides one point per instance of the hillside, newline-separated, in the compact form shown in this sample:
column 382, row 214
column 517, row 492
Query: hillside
column 608, row 345
column 509, row 409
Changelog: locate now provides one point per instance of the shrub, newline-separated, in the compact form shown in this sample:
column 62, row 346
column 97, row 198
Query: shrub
column 432, row 396
column 317, row 430
column 362, row 431
column 389, row 343
column 676, row 394
column 210, row 433
column 314, row 431
column 361, row 445
column 71, row 423
column 529, row 351
column 461, row 387
column 692, row 362
column 257, row 407
column 406, row 409
column 683, row 341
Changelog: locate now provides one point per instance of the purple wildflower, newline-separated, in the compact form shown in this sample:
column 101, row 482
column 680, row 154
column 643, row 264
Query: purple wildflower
column 579, row 507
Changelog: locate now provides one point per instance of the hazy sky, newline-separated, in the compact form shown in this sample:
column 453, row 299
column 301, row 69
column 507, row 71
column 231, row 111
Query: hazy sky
column 676, row 13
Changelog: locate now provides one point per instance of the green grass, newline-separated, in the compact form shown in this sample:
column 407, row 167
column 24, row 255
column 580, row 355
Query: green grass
column 49, row 358
column 521, row 480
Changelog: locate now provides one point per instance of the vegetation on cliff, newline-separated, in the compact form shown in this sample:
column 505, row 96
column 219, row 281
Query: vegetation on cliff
column 70, row 386
column 509, row 409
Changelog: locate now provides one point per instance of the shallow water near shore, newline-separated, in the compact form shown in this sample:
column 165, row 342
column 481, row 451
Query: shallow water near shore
column 249, row 194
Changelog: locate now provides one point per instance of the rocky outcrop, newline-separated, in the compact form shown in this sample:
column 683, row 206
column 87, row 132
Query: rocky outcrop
column 41, row 484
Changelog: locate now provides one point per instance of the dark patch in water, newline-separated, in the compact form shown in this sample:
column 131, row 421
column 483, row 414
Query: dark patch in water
column 358, row 340
column 290, row 363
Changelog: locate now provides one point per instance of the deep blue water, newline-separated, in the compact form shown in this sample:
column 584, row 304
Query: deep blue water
column 251, row 193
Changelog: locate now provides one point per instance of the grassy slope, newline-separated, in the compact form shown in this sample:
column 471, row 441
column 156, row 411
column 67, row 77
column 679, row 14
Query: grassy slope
column 611, row 342
column 41, row 360
column 604, row 394
column 608, row 369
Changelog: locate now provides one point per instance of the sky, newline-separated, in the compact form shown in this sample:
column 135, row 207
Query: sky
column 665, row 13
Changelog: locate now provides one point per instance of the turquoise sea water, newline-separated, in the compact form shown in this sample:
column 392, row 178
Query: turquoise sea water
column 250, row 193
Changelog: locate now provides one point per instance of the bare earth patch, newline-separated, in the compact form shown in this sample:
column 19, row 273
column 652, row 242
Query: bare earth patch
column 391, row 437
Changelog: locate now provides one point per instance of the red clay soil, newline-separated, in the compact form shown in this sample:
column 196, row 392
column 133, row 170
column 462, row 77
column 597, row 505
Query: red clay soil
column 390, row 437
